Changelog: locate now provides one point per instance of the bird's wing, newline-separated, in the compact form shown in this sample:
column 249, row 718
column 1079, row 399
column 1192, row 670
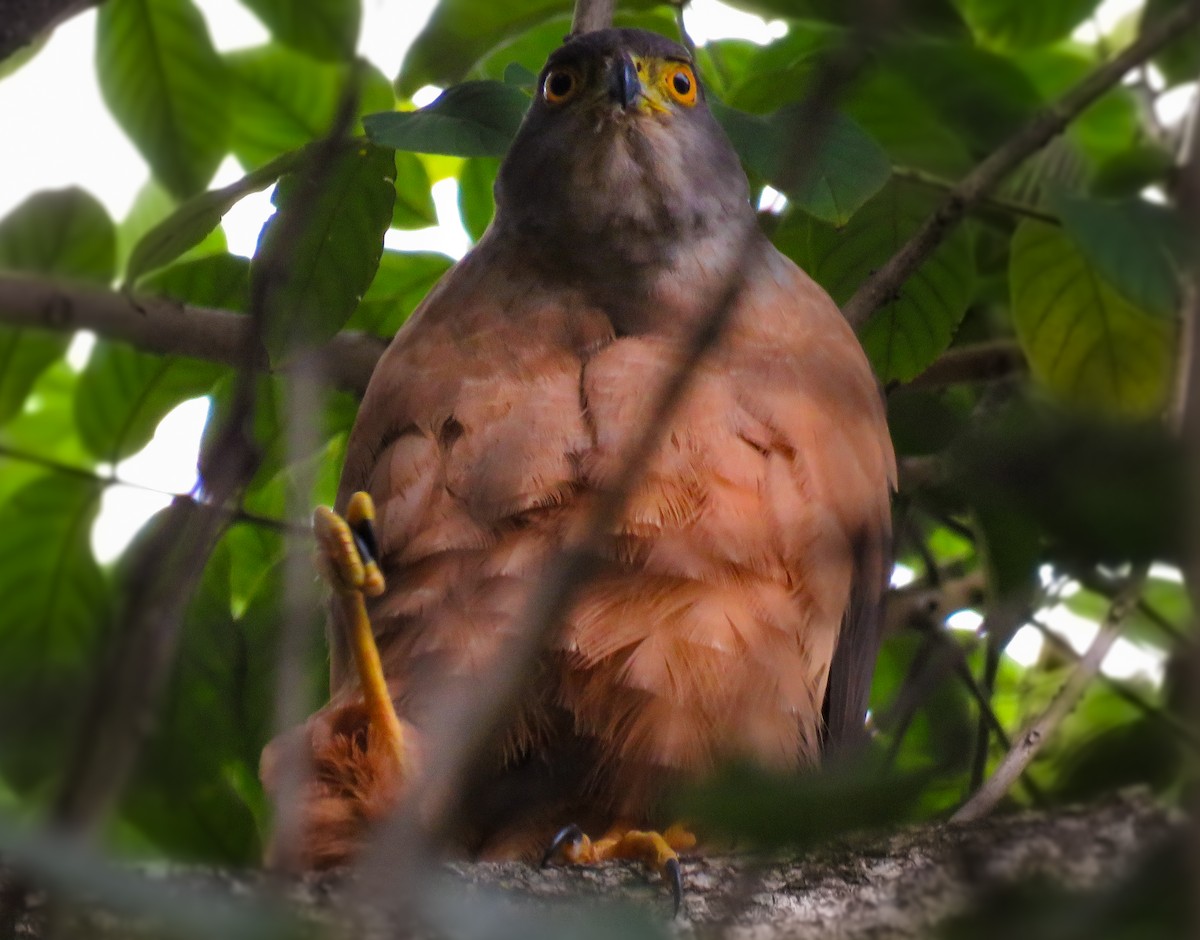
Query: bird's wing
column 468, row 440
column 767, row 501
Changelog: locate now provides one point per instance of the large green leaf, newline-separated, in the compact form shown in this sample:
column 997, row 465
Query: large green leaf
column 325, row 29
column 414, row 197
column 847, row 169
column 1179, row 60
column 476, row 201
column 474, row 119
column 1009, row 25
column 780, row 73
column 1083, row 339
column 64, row 232
column 906, row 125
column 461, row 32
column 282, row 100
column 319, row 252
column 935, row 17
column 193, row 221
column 123, row 393
column 981, row 96
column 1139, row 247
column 151, row 206
column 56, row 608
column 401, row 283
column 166, row 86
column 908, row 333
column 1106, row 129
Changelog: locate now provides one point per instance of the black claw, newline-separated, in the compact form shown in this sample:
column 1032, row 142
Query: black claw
column 365, row 541
column 571, row 833
column 676, row 876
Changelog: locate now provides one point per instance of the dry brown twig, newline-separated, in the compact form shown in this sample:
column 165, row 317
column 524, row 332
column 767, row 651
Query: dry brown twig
column 1032, row 739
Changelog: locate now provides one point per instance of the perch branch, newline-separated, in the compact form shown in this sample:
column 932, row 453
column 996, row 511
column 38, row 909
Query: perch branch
column 881, row 286
column 1031, row 740
column 162, row 325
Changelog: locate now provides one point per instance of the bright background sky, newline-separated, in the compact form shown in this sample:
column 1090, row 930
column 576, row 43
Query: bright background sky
column 74, row 141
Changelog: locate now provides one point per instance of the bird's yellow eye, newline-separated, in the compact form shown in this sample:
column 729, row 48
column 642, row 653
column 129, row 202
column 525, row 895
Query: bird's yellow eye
column 560, row 85
column 681, row 84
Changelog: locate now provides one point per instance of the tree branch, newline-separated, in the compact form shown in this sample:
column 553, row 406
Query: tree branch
column 162, row 325
column 887, row 280
column 979, row 362
column 23, row 21
column 1031, row 741
column 591, row 15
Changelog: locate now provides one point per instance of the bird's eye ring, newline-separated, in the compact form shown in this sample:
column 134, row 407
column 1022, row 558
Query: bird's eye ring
column 560, row 85
column 681, row 84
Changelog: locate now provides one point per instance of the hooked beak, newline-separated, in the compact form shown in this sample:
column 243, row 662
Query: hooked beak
column 624, row 85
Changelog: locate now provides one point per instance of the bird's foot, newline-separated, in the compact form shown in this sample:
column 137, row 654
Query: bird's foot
column 348, row 557
column 656, row 850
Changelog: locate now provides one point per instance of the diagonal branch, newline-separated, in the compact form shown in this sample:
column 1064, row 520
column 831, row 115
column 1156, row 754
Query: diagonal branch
column 877, row 289
column 1035, row 736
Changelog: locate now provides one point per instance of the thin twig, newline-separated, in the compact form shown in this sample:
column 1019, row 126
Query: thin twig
column 1121, row 689
column 979, row 362
column 1027, row 746
column 1005, row 206
column 161, row 325
column 883, row 284
column 231, row 513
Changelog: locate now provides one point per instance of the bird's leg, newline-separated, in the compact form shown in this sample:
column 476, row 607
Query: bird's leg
column 348, row 560
column 656, row 850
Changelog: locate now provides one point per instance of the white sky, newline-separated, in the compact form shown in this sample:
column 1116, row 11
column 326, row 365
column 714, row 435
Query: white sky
column 72, row 140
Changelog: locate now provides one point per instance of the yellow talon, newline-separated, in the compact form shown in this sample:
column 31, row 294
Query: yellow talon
column 659, row 851
column 348, row 551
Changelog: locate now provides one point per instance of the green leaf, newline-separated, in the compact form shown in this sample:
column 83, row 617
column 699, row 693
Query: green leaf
column 319, row 252
column 123, row 394
column 1110, row 126
column 906, row 125
column 152, row 205
column 460, row 32
column 283, row 100
column 1179, row 60
column 1008, row 25
column 166, row 86
column 60, row 232
column 1139, row 247
column 474, row 119
column 55, row 611
column 908, row 333
column 414, row 197
column 476, row 201
column 1085, row 341
column 402, row 281
column 188, row 225
column 981, row 96
column 780, row 73
column 324, row 29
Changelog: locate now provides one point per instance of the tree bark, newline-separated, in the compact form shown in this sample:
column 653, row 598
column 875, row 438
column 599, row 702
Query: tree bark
column 901, row 885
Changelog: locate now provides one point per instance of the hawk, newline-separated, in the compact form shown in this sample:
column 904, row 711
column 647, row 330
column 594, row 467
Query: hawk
column 734, row 613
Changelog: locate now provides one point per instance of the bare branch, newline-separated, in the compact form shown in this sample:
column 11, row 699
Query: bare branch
column 24, row 21
column 1035, row 736
column 591, row 15
column 887, row 280
column 977, row 363
column 161, row 325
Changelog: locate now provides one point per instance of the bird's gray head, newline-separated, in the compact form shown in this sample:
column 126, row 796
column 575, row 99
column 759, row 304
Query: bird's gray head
column 619, row 160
